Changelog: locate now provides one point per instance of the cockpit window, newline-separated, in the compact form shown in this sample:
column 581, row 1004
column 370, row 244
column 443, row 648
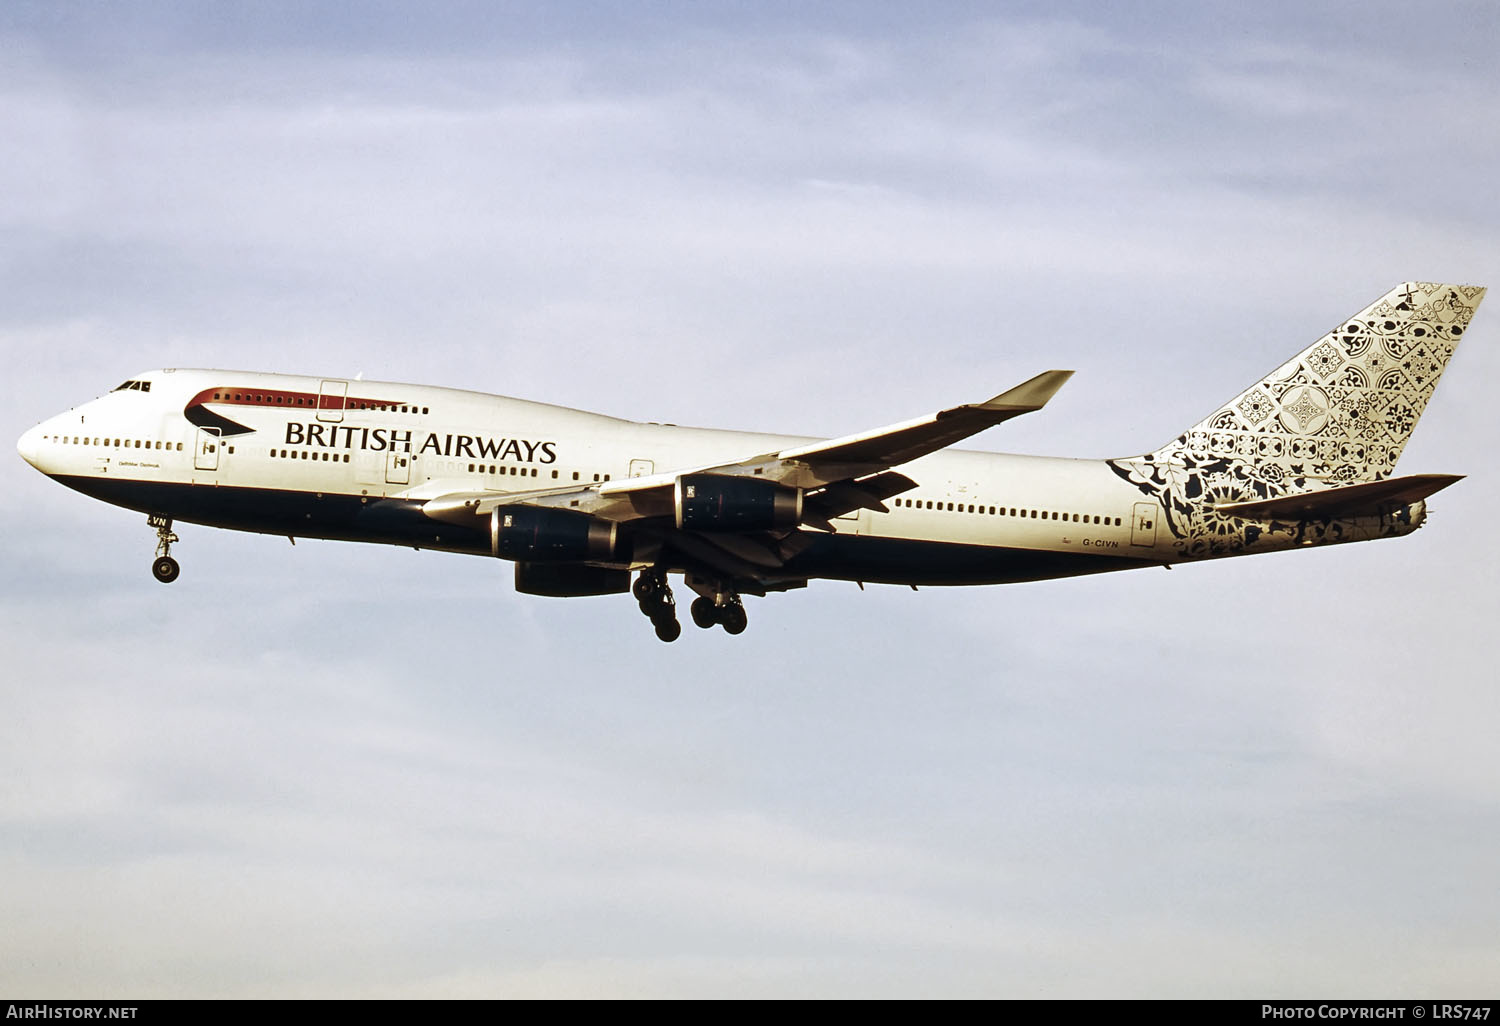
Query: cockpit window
column 134, row 386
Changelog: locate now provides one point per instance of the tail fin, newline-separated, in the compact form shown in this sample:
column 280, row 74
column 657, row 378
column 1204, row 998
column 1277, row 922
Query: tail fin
column 1338, row 413
column 1343, row 409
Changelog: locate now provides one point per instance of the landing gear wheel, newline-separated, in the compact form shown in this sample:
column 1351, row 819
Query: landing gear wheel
column 734, row 619
column 165, row 569
column 704, row 613
column 668, row 630
column 646, row 588
column 665, row 612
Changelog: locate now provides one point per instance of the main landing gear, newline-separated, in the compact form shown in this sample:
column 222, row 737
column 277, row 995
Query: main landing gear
column 654, row 596
column 717, row 605
column 728, row 613
column 165, row 568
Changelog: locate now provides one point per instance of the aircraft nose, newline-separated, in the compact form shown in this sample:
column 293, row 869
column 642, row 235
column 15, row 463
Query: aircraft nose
column 30, row 444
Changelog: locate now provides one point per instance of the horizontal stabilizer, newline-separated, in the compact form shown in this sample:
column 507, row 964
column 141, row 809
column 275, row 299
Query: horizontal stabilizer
column 1348, row 501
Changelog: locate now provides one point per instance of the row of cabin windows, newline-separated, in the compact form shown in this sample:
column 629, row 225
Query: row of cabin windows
column 502, row 471
column 355, row 404
column 334, row 403
column 480, row 468
column 1002, row 511
column 119, row 443
column 304, row 454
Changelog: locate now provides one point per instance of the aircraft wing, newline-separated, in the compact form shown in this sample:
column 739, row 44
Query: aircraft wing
column 838, row 476
column 901, row 443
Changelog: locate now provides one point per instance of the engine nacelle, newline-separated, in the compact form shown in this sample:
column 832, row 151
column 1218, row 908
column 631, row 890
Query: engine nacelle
column 719, row 502
column 538, row 534
column 570, row 580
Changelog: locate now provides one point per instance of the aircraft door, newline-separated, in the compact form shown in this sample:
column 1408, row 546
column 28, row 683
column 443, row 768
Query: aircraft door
column 1143, row 523
column 206, row 449
column 331, row 397
column 642, row 468
column 397, row 467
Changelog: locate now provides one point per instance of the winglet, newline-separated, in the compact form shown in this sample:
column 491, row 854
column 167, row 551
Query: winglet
column 1029, row 396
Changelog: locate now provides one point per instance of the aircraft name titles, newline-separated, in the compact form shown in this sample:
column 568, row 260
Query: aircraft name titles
column 474, row 447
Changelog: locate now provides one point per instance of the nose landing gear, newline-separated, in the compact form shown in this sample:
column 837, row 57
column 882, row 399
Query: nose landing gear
column 165, row 568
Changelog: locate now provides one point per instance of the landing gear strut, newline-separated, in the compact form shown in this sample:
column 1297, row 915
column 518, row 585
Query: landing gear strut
column 654, row 596
column 165, row 568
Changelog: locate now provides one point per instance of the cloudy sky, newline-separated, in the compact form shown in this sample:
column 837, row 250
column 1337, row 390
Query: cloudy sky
column 336, row 770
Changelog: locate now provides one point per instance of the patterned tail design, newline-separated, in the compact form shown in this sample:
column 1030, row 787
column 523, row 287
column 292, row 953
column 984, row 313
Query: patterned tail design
column 1338, row 413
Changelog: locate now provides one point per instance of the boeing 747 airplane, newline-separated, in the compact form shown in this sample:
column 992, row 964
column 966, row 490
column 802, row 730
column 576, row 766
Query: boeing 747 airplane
column 580, row 502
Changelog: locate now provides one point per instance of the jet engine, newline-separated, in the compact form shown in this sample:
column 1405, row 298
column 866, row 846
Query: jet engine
column 539, row 534
column 719, row 502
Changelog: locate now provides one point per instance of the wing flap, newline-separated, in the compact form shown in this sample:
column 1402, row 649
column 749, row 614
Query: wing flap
column 844, row 497
column 1350, row 500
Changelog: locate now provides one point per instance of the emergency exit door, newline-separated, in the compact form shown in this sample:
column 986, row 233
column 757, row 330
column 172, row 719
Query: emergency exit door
column 1143, row 523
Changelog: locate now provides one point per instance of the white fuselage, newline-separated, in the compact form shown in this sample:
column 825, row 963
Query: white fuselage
column 335, row 458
